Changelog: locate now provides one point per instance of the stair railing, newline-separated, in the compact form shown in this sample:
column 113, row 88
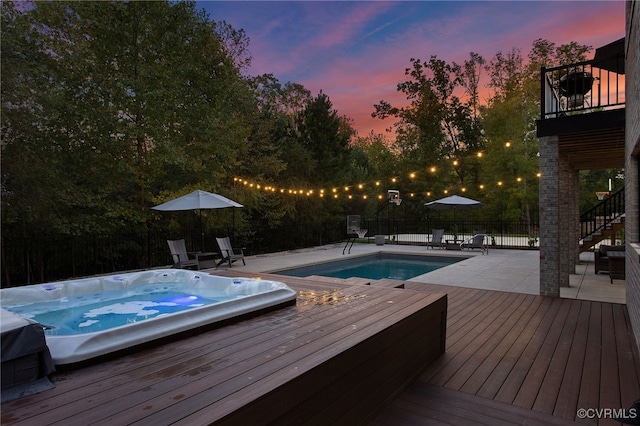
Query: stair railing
column 602, row 214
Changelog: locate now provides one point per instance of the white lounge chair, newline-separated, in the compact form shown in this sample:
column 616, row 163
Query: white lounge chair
column 228, row 253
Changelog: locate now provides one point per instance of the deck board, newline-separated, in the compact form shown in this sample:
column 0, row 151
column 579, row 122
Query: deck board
column 590, row 383
column 490, row 362
column 546, row 398
column 567, row 397
column 548, row 356
column 609, row 371
column 446, row 406
column 520, row 338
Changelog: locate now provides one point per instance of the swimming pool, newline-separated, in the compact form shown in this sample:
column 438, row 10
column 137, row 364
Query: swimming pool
column 376, row 266
column 86, row 318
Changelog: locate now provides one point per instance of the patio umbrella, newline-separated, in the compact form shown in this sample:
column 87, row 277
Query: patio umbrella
column 197, row 200
column 454, row 202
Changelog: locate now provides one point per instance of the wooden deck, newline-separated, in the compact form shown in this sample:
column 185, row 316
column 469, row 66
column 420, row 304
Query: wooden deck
column 515, row 358
column 308, row 363
column 510, row 359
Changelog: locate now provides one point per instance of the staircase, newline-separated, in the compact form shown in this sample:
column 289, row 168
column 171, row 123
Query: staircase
column 603, row 221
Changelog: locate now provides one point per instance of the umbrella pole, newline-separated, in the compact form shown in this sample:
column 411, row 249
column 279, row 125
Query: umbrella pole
column 201, row 228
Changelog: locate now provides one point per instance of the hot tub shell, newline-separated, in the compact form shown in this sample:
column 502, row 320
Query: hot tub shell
column 251, row 295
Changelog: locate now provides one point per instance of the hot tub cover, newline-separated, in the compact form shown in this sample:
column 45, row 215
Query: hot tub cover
column 26, row 360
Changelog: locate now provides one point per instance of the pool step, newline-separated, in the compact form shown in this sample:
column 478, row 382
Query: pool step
column 384, row 283
column 358, row 280
column 353, row 280
column 387, row 283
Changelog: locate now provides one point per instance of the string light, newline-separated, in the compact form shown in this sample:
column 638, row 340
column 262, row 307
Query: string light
column 378, row 184
column 347, row 189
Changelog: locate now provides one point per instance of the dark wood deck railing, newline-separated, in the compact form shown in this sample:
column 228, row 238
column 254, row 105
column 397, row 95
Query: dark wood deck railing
column 587, row 86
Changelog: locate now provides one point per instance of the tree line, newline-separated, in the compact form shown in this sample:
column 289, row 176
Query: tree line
column 109, row 108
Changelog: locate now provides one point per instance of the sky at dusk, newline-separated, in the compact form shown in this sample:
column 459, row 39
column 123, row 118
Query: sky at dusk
column 356, row 51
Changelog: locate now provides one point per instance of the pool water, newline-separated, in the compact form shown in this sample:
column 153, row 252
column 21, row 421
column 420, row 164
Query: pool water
column 378, row 266
column 91, row 312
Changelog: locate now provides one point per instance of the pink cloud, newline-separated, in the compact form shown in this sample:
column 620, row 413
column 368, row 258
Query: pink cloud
column 356, row 52
column 345, row 29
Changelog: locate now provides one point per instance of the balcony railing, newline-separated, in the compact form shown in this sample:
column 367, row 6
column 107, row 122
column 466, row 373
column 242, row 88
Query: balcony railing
column 595, row 85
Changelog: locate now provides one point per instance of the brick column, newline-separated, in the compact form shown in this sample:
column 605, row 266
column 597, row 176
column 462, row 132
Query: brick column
column 567, row 196
column 577, row 231
column 549, row 217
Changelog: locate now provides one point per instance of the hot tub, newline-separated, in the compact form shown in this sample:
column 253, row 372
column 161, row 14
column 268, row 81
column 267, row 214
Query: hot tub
column 91, row 317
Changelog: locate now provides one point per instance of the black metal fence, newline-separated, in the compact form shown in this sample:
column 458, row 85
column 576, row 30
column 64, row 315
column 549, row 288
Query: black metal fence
column 43, row 259
column 47, row 259
column 502, row 234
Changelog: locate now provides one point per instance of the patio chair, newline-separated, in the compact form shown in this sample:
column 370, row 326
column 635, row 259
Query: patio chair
column 228, row 252
column 183, row 259
column 476, row 242
column 436, row 239
column 601, row 259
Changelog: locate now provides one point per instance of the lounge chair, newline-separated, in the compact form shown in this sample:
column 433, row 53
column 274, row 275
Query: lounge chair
column 187, row 260
column 228, row 252
column 436, row 239
column 476, row 242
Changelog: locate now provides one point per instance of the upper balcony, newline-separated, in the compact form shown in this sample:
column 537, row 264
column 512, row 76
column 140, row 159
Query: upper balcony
column 584, row 105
